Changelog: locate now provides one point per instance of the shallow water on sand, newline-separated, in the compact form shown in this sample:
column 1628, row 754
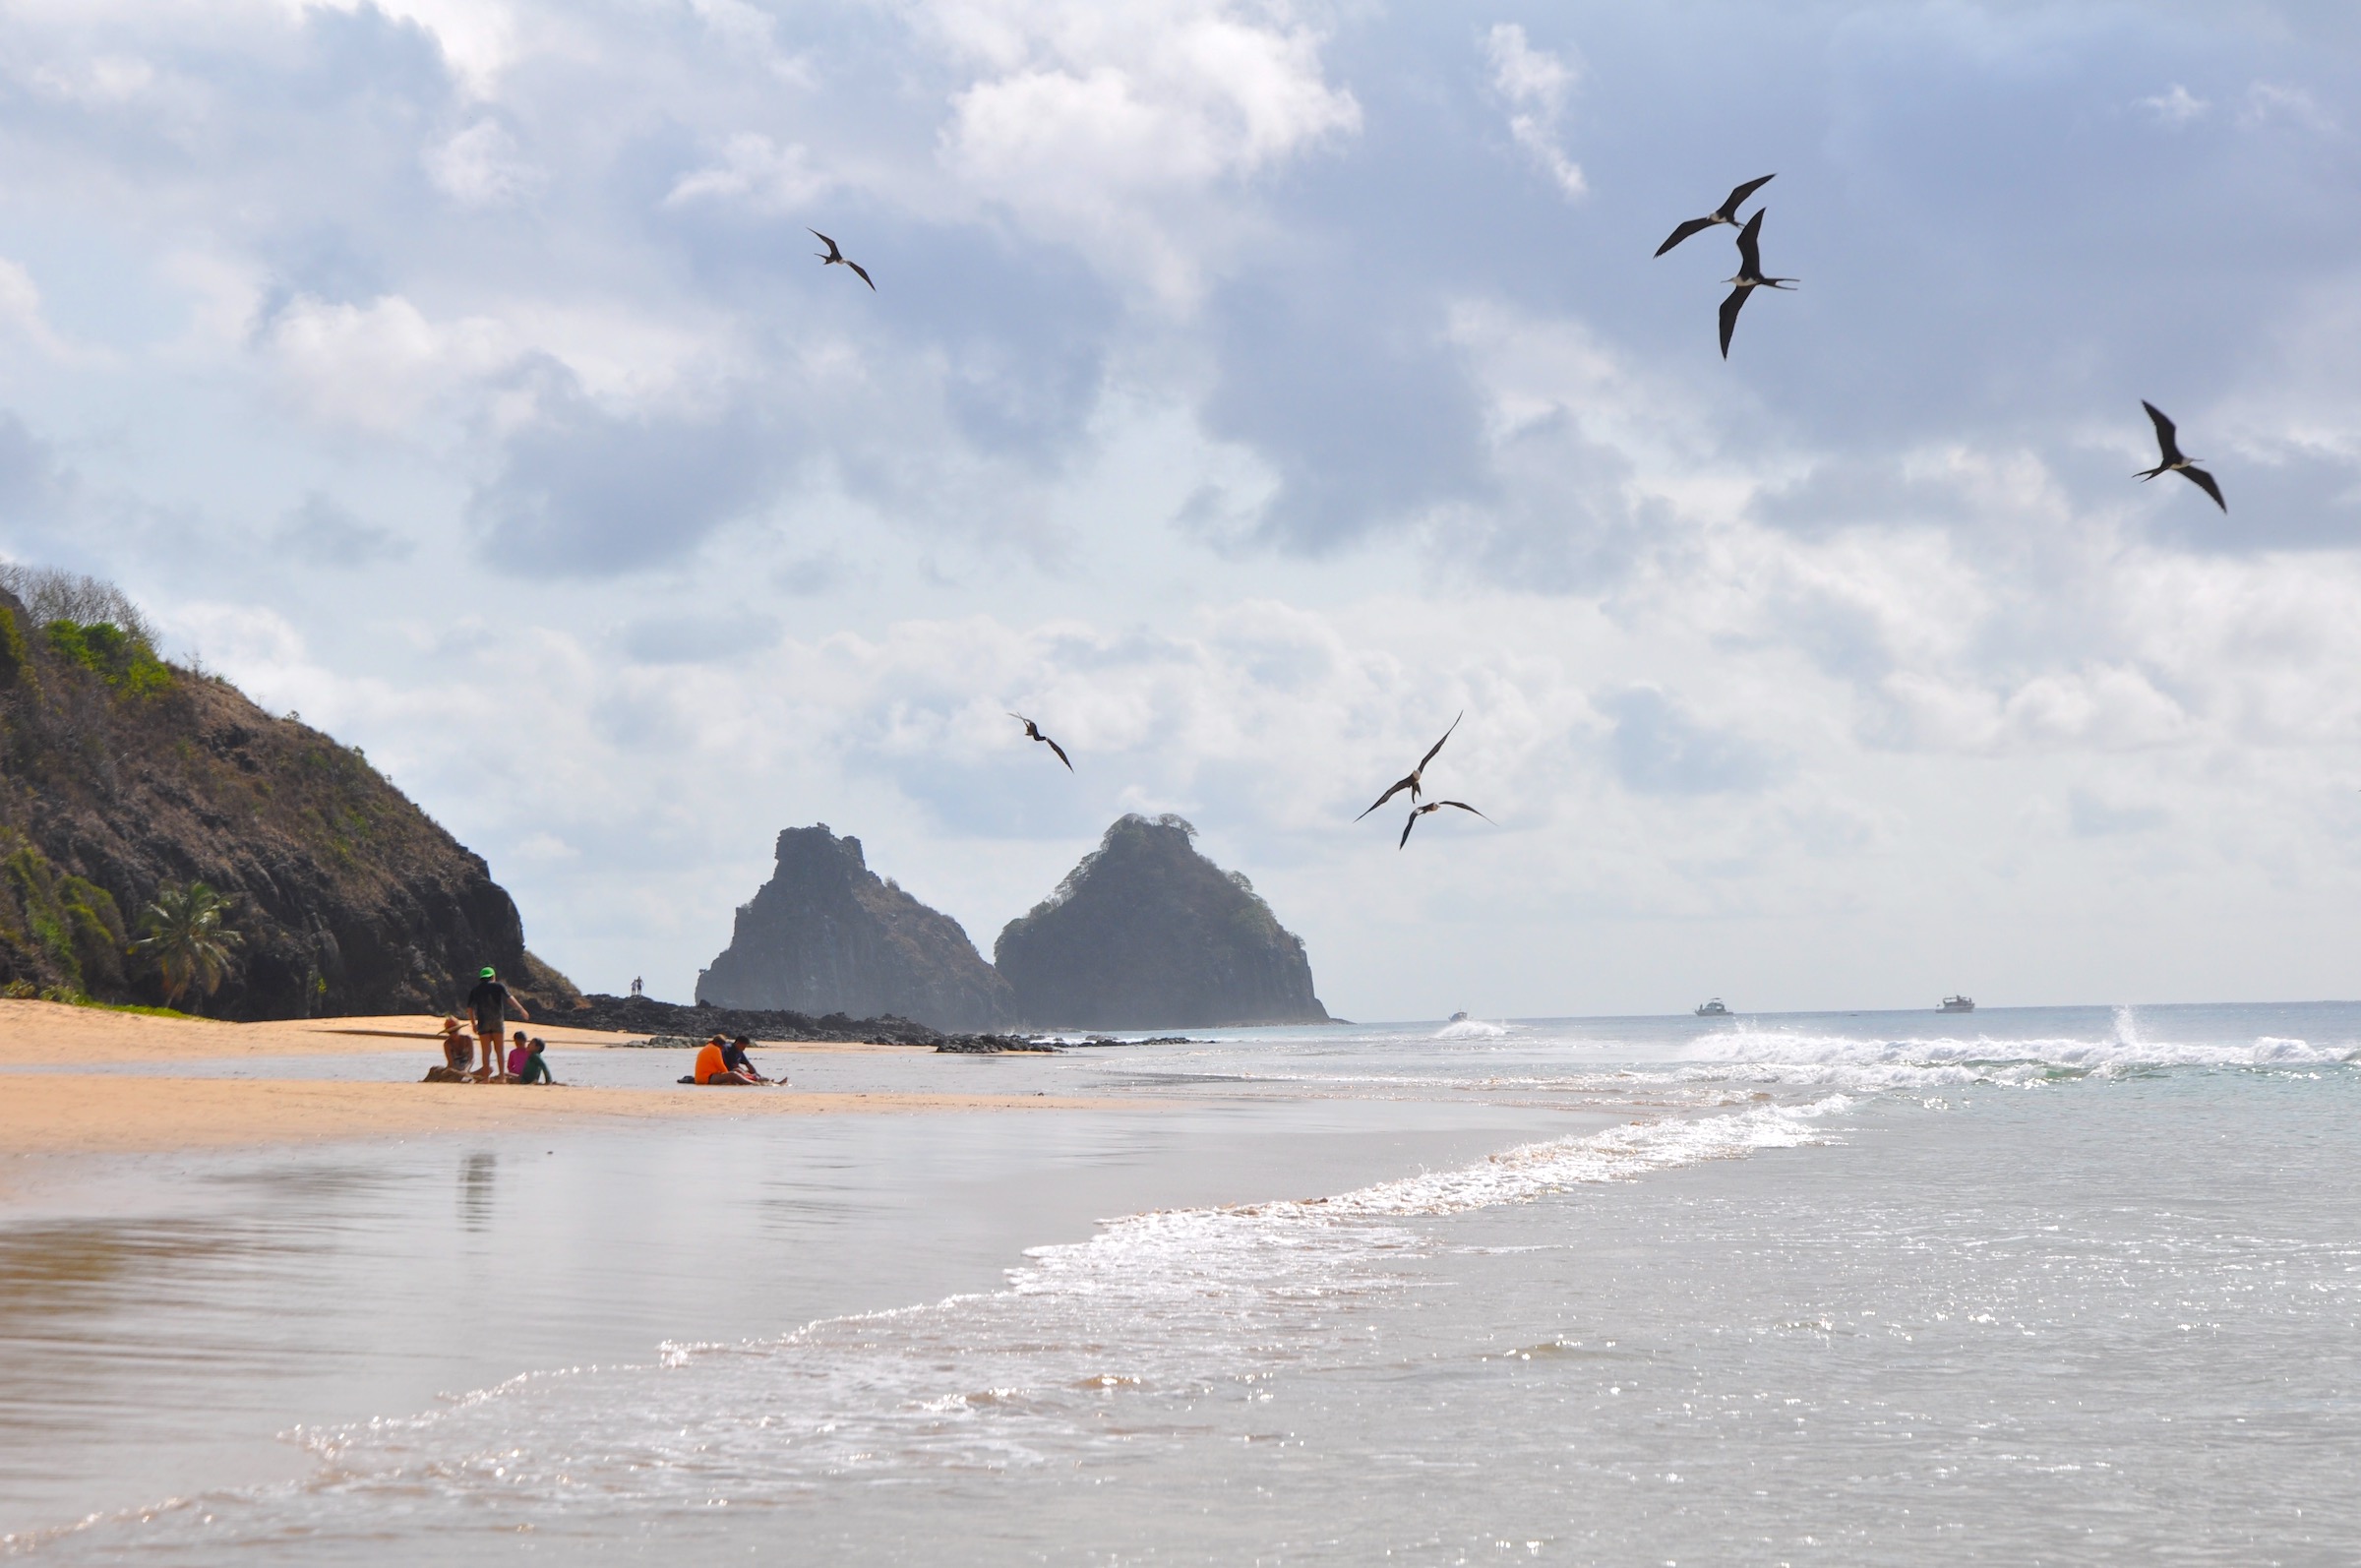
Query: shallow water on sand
column 2072, row 1285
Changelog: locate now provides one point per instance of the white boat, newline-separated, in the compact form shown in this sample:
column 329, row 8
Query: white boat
column 1958, row 1005
column 1713, row 1010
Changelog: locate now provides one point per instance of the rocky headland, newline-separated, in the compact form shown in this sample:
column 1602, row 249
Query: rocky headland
column 122, row 775
column 1148, row 933
column 826, row 934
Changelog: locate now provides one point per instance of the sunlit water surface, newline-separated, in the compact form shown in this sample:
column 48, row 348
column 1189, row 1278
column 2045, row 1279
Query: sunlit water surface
column 2029, row 1285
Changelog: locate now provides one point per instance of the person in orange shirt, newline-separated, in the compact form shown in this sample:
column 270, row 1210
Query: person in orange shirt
column 713, row 1069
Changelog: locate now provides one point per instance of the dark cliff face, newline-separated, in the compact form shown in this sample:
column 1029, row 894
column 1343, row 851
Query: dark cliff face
column 119, row 773
column 1148, row 933
column 825, row 934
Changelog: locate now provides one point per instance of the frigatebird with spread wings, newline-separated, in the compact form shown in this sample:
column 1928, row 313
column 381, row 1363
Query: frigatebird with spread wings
column 1418, row 812
column 838, row 258
column 1750, row 277
column 1726, row 213
column 2168, row 451
column 1033, row 733
column 1413, row 782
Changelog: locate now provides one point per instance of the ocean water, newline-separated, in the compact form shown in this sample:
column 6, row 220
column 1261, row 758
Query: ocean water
column 2033, row 1285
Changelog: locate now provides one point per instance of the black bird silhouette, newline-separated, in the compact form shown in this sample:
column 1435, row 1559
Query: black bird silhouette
column 1750, row 277
column 1418, row 812
column 1411, row 783
column 1726, row 213
column 1033, row 733
column 838, row 258
column 2169, row 448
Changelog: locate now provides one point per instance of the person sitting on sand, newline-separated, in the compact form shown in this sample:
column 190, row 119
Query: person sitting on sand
column 458, row 1050
column 734, row 1058
column 517, row 1052
column 535, row 1068
column 713, row 1069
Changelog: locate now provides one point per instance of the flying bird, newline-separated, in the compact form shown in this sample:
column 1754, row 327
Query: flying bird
column 1033, row 733
column 1750, row 277
column 838, row 258
column 1726, row 213
column 1413, row 782
column 2169, row 449
column 1418, row 812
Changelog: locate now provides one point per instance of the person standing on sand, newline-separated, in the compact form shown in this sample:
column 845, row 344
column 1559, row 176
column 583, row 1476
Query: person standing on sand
column 488, row 1006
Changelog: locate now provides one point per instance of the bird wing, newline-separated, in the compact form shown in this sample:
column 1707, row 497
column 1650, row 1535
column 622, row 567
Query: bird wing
column 2204, row 482
column 1059, row 750
column 1463, row 806
column 835, row 255
column 862, row 273
column 1684, row 231
column 1438, row 746
column 1399, row 786
column 1030, row 731
column 2165, row 441
column 1415, row 812
column 1750, row 255
column 1729, row 209
column 1730, row 314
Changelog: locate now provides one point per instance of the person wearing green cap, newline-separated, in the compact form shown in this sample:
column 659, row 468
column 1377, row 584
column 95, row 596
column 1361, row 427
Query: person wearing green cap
column 488, row 1006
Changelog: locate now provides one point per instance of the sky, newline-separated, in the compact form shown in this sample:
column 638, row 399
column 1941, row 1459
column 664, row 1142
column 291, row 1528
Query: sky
column 1247, row 389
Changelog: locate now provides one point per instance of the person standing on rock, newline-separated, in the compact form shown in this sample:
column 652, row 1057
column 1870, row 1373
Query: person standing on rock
column 488, row 1006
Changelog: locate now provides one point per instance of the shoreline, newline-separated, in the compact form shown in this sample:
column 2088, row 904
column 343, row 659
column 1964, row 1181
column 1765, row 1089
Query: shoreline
column 49, row 1109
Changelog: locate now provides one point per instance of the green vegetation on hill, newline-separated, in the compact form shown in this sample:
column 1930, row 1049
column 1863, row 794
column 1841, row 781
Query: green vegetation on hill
column 123, row 776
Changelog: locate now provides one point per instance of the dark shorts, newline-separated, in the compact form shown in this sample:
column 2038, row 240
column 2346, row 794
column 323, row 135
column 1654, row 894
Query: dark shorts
column 488, row 1028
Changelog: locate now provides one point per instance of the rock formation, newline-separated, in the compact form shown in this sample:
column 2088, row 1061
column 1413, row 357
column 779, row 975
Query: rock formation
column 825, row 934
column 1148, row 933
column 120, row 774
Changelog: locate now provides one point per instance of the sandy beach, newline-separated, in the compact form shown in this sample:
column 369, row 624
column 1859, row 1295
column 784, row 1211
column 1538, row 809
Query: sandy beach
column 50, row 1107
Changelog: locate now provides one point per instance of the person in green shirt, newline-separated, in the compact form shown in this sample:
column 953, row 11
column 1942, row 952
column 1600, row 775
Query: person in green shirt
column 536, row 1065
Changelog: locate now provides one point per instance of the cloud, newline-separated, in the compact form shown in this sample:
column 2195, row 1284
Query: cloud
column 323, row 531
column 1534, row 83
column 2266, row 101
column 582, row 488
column 1658, row 748
column 755, row 170
column 1092, row 117
column 482, row 166
column 2176, row 106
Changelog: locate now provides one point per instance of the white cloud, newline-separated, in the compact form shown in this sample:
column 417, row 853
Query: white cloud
column 21, row 309
column 382, row 366
column 2176, row 106
column 2266, row 101
column 1535, row 85
column 481, row 167
column 754, row 170
column 1093, row 116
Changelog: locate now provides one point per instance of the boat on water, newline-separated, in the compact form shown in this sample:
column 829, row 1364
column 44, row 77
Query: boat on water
column 1459, row 1017
column 1958, row 1005
column 1712, row 1010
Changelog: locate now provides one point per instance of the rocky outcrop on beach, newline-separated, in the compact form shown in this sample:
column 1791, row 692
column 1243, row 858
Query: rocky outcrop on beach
column 121, row 773
column 826, row 934
column 644, row 1015
column 1148, row 933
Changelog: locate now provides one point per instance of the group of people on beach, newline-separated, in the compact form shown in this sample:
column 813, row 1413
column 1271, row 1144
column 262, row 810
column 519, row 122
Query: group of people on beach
column 721, row 1061
column 488, row 1007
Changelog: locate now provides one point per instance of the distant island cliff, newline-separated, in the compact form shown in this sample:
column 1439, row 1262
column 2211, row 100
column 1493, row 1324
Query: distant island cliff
column 826, row 934
column 122, row 776
column 1144, row 934
column 1148, row 933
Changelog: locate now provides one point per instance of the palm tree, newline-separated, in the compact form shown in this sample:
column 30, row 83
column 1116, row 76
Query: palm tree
column 184, row 932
